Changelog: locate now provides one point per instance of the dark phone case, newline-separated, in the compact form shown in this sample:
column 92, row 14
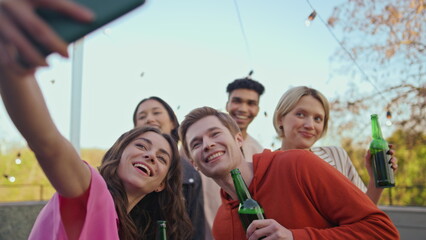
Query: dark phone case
column 71, row 30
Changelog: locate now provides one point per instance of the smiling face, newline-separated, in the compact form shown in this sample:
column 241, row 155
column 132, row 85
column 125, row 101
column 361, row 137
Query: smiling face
column 144, row 164
column 243, row 106
column 154, row 114
column 303, row 125
column 214, row 150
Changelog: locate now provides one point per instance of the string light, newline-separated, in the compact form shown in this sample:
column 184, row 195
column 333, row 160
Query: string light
column 249, row 74
column 18, row 159
column 388, row 117
column 366, row 77
column 10, row 178
column 310, row 18
column 243, row 32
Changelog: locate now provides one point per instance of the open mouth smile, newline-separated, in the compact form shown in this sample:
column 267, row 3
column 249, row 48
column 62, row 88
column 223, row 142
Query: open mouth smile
column 241, row 117
column 214, row 156
column 143, row 168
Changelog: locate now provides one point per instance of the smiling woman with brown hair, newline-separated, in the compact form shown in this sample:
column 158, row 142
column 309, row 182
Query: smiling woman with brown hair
column 155, row 112
column 142, row 164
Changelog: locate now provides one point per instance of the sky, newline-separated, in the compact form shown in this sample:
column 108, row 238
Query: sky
column 187, row 52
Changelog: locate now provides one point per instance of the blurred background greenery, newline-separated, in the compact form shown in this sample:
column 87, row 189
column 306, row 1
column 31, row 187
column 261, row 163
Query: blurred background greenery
column 27, row 182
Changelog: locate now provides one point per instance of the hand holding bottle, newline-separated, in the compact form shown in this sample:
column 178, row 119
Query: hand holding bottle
column 380, row 161
column 249, row 209
column 393, row 160
column 374, row 192
column 268, row 228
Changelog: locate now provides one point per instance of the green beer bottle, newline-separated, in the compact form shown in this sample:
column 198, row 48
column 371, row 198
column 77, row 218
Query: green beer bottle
column 249, row 210
column 380, row 160
column 161, row 230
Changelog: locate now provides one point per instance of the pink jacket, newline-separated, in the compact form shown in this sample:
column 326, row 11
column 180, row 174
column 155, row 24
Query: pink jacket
column 101, row 221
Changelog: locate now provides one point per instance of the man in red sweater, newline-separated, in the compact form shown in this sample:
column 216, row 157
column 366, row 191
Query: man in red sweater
column 303, row 197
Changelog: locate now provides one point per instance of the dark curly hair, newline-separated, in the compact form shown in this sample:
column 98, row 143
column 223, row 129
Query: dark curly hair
column 165, row 205
column 246, row 83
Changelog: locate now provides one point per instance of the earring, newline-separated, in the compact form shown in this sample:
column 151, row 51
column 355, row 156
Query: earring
column 282, row 130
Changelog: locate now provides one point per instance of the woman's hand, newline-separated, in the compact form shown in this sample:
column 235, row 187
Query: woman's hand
column 393, row 161
column 19, row 23
column 268, row 229
column 374, row 192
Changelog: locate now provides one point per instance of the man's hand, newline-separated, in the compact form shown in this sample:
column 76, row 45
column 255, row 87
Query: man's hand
column 268, row 229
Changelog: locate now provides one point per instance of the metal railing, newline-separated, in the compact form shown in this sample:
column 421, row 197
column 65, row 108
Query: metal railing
column 404, row 196
column 396, row 196
column 25, row 192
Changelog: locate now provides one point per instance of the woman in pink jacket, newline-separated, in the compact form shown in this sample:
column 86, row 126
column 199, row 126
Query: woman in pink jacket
column 142, row 164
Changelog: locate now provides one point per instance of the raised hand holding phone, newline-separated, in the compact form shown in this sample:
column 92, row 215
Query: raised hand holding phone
column 70, row 29
column 32, row 29
column 20, row 27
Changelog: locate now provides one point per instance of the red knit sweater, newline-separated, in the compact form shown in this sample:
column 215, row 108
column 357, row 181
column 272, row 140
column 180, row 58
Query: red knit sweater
column 308, row 196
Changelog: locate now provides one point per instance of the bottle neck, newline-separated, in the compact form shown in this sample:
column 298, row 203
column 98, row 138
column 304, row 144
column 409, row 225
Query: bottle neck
column 375, row 128
column 240, row 186
column 161, row 230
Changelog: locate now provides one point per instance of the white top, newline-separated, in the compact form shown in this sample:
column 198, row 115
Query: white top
column 250, row 147
column 338, row 158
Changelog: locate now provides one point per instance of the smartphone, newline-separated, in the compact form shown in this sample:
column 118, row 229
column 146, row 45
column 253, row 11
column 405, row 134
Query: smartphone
column 71, row 30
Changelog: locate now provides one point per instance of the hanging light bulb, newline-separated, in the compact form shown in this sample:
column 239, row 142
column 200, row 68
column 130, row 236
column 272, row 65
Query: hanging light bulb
column 10, row 178
column 18, row 159
column 388, row 117
column 249, row 74
column 310, row 18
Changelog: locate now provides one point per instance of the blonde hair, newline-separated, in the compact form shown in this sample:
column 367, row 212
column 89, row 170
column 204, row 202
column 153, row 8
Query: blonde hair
column 289, row 100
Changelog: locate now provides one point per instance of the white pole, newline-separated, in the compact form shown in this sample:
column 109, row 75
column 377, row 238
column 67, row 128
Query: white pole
column 76, row 88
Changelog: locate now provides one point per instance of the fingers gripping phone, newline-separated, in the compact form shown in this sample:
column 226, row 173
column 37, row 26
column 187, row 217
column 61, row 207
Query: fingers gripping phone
column 71, row 30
